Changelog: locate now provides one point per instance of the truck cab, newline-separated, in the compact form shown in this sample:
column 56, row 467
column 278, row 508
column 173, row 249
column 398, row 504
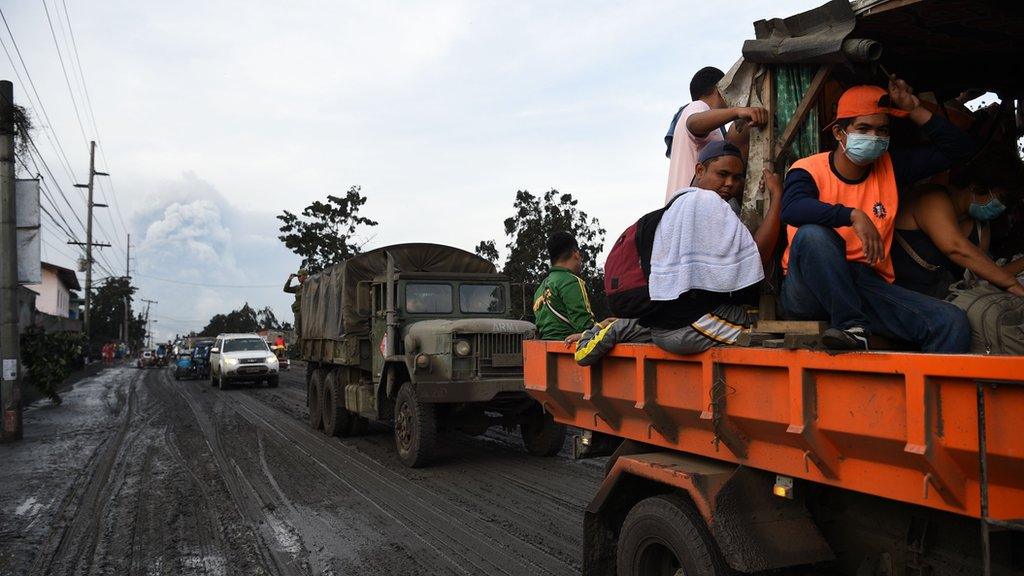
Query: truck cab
column 428, row 345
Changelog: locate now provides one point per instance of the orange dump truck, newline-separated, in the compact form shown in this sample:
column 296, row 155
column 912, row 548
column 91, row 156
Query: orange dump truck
column 754, row 459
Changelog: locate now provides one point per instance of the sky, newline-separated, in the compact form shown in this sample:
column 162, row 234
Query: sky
column 214, row 117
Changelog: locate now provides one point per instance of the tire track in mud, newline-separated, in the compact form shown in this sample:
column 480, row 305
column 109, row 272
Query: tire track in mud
column 441, row 524
column 88, row 499
column 248, row 502
column 537, row 500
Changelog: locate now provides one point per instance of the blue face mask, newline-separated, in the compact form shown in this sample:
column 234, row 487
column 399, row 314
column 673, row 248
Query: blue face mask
column 863, row 149
column 987, row 211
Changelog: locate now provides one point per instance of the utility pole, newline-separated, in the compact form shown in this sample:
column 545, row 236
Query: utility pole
column 10, row 349
column 149, row 335
column 88, row 238
column 128, row 295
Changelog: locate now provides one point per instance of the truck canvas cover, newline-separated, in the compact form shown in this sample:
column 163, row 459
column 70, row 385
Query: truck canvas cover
column 331, row 306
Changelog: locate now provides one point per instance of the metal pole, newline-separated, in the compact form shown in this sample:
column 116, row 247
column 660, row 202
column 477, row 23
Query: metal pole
column 127, row 296
column 10, row 347
column 88, row 246
column 986, row 547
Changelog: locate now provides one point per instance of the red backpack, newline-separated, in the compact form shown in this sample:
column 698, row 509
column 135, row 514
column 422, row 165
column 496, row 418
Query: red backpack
column 629, row 266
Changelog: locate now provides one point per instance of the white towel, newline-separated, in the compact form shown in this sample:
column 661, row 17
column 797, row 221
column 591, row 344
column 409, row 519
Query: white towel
column 700, row 244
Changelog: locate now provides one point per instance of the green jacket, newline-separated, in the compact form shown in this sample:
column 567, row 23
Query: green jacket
column 561, row 305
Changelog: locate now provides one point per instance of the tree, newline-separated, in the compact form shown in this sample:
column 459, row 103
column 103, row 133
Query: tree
column 245, row 319
column 534, row 219
column 487, row 249
column 324, row 234
column 107, row 321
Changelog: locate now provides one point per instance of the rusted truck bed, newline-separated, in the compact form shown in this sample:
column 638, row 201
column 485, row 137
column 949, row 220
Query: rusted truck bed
column 896, row 425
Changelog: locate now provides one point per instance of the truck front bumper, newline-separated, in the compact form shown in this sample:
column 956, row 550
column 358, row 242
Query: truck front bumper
column 467, row 390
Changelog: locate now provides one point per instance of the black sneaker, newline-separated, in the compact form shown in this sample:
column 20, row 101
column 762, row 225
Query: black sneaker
column 855, row 338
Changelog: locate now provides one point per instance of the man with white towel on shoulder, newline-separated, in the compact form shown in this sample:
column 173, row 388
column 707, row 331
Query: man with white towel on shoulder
column 705, row 265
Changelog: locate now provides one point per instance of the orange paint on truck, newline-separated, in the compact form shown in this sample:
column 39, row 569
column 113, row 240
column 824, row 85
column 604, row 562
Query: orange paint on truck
column 895, row 425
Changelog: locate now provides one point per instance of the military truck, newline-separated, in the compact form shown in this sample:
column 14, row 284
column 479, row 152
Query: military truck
column 419, row 337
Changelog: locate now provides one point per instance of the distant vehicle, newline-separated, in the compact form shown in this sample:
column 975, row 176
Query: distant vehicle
column 242, row 357
column 184, row 367
column 161, row 355
column 146, row 359
column 201, row 358
column 282, row 357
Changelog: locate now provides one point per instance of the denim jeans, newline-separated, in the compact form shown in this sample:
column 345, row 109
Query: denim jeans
column 822, row 284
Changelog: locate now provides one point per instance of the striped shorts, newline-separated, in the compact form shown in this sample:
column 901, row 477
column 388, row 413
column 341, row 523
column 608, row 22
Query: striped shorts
column 717, row 328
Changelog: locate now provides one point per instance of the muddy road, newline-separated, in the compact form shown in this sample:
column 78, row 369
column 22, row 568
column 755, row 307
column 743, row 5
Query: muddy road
column 139, row 474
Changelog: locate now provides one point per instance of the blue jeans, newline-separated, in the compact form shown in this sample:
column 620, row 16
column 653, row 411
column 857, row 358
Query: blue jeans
column 822, row 284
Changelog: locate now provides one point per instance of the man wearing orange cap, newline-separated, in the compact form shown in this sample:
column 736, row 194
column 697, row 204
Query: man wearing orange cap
column 840, row 208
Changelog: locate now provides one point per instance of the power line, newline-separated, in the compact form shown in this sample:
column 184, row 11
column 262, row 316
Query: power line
column 71, row 93
column 57, row 145
column 95, row 127
column 208, row 285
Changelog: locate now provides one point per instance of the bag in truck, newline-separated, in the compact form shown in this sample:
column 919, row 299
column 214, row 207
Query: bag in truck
column 628, row 267
column 996, row 318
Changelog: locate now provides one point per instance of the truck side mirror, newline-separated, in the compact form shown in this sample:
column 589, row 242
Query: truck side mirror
column 214, row 350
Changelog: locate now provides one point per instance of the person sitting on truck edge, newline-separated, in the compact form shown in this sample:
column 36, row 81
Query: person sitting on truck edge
column 841, row 207
column 561, row 303
column 297, row 305
column 699, row 318
column 701, row 122
column 944, row 230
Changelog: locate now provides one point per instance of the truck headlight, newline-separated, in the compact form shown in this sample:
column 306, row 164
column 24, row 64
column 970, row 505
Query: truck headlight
column 462, row 348
column 231, row 361
column 271, row 359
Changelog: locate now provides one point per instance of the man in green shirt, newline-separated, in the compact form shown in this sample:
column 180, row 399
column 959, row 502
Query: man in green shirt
column 561, row 304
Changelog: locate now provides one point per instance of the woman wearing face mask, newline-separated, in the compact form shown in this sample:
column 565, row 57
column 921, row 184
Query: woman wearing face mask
column 944, row 230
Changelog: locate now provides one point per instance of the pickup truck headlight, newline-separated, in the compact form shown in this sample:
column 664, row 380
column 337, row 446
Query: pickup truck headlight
column 271, row 359
column 462, row 348
column 231, row 361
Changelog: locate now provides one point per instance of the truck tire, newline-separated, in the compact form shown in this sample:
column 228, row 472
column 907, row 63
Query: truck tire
column 337, row 420
column 541, row 434
column 415, row 428
column 222, row 383
column 665, row 535
column 314, row 393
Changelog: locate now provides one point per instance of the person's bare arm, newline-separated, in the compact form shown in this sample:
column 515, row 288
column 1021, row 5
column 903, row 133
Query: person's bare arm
column 1015, row 267
column 936, row 217
column 767, row 235
column 703, row 123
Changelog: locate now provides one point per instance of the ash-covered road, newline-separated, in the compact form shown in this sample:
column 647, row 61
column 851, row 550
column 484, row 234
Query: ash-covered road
column 139, row 474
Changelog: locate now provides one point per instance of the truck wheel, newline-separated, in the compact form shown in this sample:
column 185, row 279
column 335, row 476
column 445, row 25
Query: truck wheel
column 541, row 434
column 415, row 428
column 337, row 420
column 664, row 535
column 222, row 383
column 314, row 392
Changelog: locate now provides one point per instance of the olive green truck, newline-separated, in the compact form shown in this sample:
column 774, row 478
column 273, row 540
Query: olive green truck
column 419, row 337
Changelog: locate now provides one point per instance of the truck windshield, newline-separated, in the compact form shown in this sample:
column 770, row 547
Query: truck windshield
column 428, row 298
column 481, row 299
column 244, row 344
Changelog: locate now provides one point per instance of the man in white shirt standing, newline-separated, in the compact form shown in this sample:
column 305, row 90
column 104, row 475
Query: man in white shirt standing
column 701, row 122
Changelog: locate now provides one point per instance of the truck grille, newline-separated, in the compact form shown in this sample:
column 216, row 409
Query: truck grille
column 499, row 355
